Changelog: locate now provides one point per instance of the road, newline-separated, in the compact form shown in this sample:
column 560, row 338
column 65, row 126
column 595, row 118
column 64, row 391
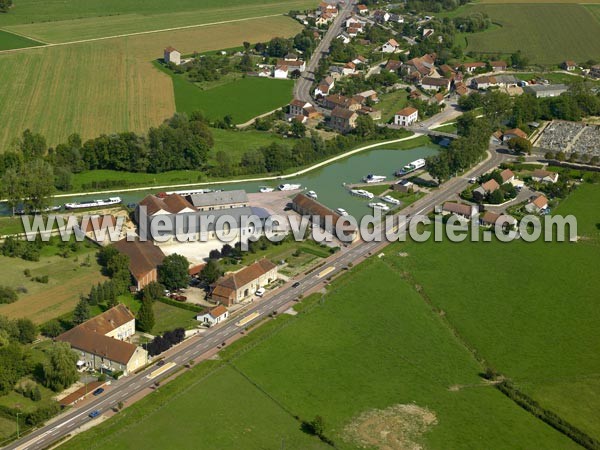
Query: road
column 197, row 346
column 302, row 87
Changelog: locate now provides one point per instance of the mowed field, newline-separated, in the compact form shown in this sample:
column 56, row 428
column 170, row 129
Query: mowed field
column 10, row 41
column 107, row 86
column 530, row 309
column 371, row 346
column 74, row 20
column 67, row 280
column 545, row 33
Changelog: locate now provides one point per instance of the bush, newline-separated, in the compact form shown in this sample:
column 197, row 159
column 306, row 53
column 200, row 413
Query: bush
column 8, row 295
column 52, row 328
column 41, row 279
column 27, row 273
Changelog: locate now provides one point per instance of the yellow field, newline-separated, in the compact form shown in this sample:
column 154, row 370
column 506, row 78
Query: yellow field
column 107, row 86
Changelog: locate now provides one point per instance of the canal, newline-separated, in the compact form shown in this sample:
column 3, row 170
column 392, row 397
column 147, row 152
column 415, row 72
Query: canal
column 327, row 181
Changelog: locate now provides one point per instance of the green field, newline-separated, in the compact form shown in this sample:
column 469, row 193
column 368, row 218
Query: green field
column 545, row 33
column 370, row 344
column 243, row 99
column 9, row 41
column 76, row 20
column 391, row 103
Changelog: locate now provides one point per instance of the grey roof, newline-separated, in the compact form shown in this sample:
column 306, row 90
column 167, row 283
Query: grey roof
column 219, row 198
column 547, row 87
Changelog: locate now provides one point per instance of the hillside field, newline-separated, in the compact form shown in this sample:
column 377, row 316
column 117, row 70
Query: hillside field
column 107, row 86
column 9, row 41
column 545, row 33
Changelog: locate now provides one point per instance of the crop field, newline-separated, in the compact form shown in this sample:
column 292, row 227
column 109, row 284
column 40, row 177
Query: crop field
column 242, row 99
column 9, row 41
column 396, row 360
column 76, row 20
column 107, row 86
column 67, row 280
column 545, row 33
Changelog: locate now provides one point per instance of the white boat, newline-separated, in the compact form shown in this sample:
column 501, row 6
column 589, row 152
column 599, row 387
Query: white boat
column 312, row 194
column 265, row 189
column 341, row 211
column 188, row 192
column 415, row 165
column 94, row 203
column 21, row 211
column 380, row 206
column 374, row 178
column 289, row 187
column 390, row 199
column 362, row 193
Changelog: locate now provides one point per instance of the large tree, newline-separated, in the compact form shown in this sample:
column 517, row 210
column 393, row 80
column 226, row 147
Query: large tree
column 173, row 272
column 211, row 272
column 145, row 316
column 11, row 188
column 60, row 371
column 38, row 184
column 81, row 312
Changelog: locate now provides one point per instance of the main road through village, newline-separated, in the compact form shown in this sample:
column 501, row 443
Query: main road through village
column 200, row 345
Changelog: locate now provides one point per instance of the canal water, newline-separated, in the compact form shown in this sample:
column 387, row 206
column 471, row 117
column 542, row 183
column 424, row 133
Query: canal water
column 327, row 182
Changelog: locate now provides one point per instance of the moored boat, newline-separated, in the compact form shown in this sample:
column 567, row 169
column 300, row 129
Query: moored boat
column 94, row 203
column 374, row 178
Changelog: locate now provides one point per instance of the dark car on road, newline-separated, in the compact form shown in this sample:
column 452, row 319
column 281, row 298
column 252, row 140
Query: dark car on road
column 296, row 284
column 94, row 413
column 98, row 391
column 160, row 363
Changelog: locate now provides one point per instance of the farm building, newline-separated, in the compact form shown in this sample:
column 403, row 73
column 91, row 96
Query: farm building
column 101, row 343
column 542, row 91
column 172, row 55
column 211, row 201
column 235, row 287
column 327, row 218
column 144, row 259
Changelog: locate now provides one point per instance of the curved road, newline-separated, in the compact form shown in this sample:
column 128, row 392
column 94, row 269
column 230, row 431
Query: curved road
column 281, row 299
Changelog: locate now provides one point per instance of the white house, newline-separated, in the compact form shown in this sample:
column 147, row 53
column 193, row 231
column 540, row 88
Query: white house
column 390, row 46
column 349, row 69
column 324, row 86
column 406, row 116
column 362, row 9
column 543, row 176
column 213, row 316
column 434, row 84
column 537, row 205
column 344, row 37
column 172, row 55
column 281, row 72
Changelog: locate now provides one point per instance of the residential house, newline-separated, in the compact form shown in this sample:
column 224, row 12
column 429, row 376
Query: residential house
column 459, row 209
column 335, row 100
column 460, row 88
column 393, row 65
column 369, row 95
column 213, row 316
column 381, row 16
column 281, row 71
column 423, row 66
column 390, row 46
column 353, row 31
column 323, row 217
column 595, row 71
column 437, row 99
column 354, row 22
column 498, row 66
column 544, row 176
column 328, row 8
column 484, row 82
column 349, row 68
column 490, row 218
column 506, row 80
column 406, row 116
column 144, row 259
column 396, row 18
column 362, row 9
column 486, row 188
column 549, row 90
column 538, row 205
column 375, row 114
column 569, row 65
column 324, row 86
column 360, row 60
column 172, row 55
column 291, row 56
column 298, row 64
column 213, row 201
column 264, row 72
column 446, row 71
column 434, row 84
column 507, row 175
column 513, row 133
column 235, row 287
column 336, row 72
column 496, row 138
column 343, row 120
column 344, row 37
column 427, row 32
column 101, row 342
column 323, row 19
column 471, row 66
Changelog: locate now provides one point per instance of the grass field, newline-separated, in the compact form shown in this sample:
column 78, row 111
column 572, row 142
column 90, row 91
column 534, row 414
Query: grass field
column 9, row 41
column 391, row 103
column 545, row 33
column 107, row 86
column 243, row 99
column 67, row 280
column 339, row 359
column 75, row 20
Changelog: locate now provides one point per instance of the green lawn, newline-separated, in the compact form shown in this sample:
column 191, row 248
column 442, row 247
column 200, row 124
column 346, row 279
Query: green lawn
column 9, row 41
column 391, row 103
column 370, row 344
column 236, row 143
column 242, row 99
column 169, row 317
column 530, row 310
column 545, row 33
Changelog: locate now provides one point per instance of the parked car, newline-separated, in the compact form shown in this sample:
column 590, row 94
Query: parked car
column 94, row 413
column 98, row 391
column 160, row 363
column 260, row 292
column 296, row 284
